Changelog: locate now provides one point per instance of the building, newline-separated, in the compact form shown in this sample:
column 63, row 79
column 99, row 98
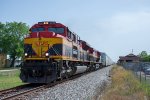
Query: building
column 129, row 58
column 5, row 61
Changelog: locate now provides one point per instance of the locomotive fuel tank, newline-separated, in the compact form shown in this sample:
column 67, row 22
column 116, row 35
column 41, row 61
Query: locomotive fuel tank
column 80, row 69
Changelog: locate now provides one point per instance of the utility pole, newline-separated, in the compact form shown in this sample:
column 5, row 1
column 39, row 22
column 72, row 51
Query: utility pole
column 132, row 51
column 140, row 73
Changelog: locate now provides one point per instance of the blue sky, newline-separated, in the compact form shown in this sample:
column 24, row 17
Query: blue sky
column 112, row 26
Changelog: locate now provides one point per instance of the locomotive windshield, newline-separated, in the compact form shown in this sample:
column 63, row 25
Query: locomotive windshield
column 40, row 29
column 56, row 30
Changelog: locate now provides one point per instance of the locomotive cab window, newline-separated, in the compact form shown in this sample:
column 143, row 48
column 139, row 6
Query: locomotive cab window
column 56, row 30
column 40, row 29
column 74, row 37
column 68, row 33
column 78, row 39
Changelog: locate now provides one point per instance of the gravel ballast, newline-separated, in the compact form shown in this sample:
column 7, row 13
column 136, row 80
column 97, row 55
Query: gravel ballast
column 84, row 87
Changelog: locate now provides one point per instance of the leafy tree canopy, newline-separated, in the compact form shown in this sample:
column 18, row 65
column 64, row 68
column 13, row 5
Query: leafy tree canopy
column 11, row 39
column 144, row 56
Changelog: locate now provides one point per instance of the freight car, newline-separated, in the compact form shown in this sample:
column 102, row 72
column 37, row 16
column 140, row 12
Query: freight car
column 105, row 60
column 53, row 52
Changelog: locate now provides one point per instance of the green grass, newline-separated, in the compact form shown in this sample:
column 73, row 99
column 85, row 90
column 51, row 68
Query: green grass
column 145, row 84
column 146, row 88
column 10, row 80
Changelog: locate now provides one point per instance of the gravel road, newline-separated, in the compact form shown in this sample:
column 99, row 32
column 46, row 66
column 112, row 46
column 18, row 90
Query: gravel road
column 83, row 88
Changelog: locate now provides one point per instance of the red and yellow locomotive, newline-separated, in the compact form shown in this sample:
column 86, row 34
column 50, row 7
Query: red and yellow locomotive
column 53, row 52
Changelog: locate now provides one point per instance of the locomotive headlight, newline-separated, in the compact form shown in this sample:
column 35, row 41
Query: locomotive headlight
column 26, row 54
column 46, row 54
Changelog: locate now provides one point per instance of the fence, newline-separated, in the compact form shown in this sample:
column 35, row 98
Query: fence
column 138, row 69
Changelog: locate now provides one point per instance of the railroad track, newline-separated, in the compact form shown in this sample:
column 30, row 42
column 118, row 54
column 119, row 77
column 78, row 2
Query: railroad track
column 5, row 94
column 29, row 90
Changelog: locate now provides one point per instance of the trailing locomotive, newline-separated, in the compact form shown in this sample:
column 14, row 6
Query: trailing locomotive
column 53, row 52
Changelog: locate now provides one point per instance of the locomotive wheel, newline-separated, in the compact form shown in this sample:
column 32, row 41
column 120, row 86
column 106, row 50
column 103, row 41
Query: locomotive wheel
column 66, row 76
column 61, row 77
column 54, row 81
column 23, row 77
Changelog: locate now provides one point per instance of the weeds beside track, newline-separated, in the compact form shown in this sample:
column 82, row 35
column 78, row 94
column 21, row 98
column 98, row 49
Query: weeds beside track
column 124, row 86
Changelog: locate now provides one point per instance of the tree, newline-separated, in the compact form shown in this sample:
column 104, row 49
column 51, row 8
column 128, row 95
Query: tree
column 12, row 39
column 2, row 28
column 144, row 56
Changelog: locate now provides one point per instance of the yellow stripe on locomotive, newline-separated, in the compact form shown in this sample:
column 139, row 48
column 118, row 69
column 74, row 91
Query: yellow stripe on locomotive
column 57, row 48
